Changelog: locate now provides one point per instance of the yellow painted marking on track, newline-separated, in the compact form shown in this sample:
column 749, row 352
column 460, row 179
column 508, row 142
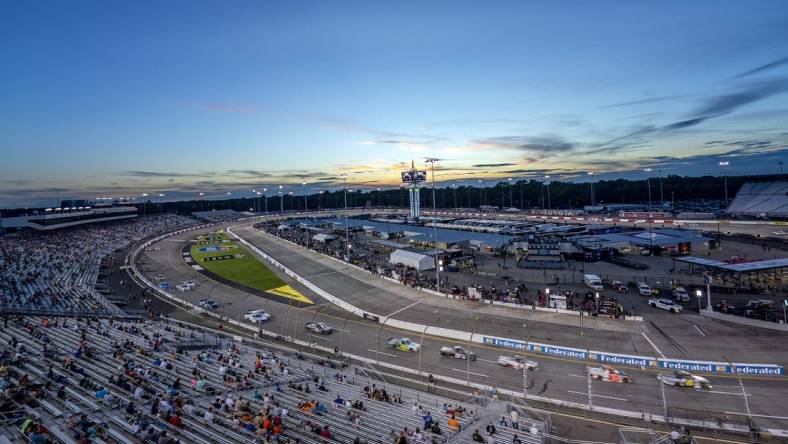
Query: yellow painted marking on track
column 291, row 293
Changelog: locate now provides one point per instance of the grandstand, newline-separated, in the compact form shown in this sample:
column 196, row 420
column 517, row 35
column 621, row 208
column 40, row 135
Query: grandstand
column 56, row 271
column 769, row 199
column 70, row 380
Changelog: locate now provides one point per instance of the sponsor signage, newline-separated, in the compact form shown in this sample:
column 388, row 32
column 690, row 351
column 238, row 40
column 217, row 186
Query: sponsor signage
column 414, row 176
column 564, row 352
column 508, row 343
column 690, row 366
column 543, row 250
column 616, row 359
column 755, row 369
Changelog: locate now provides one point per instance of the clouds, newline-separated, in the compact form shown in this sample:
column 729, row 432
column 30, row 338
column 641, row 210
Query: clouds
column 766, row 67
column 492, row 165
column 538, row 146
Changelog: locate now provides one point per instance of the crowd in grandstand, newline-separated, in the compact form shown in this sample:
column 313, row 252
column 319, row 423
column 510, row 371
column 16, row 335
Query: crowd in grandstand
column 58, row 269
column 131, row 381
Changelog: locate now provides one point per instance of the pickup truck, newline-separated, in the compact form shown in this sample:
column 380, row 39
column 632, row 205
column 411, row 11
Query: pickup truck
column 681, row 378
column 403, row 344
column 608, row 373
column 665, row 304
column 457, row 352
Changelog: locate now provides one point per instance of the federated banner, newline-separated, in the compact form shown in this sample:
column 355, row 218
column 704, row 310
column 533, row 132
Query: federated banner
column 618, row 359
column 564, row 352
column 691, row 366
column 722, row 367
column 755, row 369
column 508, row 343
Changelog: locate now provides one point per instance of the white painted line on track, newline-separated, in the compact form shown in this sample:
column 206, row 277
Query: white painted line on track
column 322, row 338
column 577, row 376
column 403, row 308
column 486, row 360
column 725, row 393
column 754, row 415
column 699, row 330
column 662, row 355
column 321, row 274
column 598, row 396
column 382, row 353
column 473, row 373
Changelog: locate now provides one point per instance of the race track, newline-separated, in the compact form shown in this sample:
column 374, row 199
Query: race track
column 556, row 378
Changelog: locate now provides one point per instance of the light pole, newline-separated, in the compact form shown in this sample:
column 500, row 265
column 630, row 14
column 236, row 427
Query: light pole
column 347, row 229
column 305, row 196
column 454, row 188
column 698, row 294
column 160, row 201
column 481, row 195
column 511, row 201
column 591, row 175
column 438, row 263
column 648, row 182
column 547, row 179
column 661, row 198
column 281, row 202
column 724, row 164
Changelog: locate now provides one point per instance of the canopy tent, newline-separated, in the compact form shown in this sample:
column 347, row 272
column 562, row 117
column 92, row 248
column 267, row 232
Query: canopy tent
column 411, row 259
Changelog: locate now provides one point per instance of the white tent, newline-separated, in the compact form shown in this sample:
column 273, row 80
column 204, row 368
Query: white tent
column 321, row 237
column 411, row 259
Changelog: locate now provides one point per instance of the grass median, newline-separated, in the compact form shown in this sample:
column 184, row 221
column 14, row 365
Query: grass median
column 220, row 255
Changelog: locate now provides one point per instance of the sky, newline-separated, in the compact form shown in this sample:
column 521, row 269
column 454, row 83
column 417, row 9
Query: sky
column 109, row 98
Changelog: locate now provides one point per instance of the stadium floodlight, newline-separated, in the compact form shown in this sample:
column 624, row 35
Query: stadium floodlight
column 202, row 194
column 724, row 164
column 161, row 194
column 648, row 170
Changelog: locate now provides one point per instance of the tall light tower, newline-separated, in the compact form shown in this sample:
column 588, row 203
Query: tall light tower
column 438, row 264
column 281, row 201
column 481, row 196
column 724, row 164
column 265, row 199
column 413, row 179
column 454, row 188
column 648, row 182
column 347, row 229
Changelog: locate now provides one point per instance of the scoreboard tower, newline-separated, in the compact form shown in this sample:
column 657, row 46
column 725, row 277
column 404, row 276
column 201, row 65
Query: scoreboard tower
column 414, row 179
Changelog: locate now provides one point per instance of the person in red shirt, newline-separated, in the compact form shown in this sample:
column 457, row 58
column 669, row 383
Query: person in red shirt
column 325, row 433
column 175, row 420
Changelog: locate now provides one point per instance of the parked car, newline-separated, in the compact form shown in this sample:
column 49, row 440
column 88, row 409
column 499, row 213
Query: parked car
column 680, row 294
column 644, row 289
column 665, row 304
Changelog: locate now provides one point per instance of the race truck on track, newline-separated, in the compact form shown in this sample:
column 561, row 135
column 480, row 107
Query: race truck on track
column 608, row 373
column 517, row 362
column 457, row 352
column 403, row 344
column 680, row 378
column 319, row 327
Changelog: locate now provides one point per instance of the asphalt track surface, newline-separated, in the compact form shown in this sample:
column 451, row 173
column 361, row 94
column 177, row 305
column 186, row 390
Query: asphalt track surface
column 556, row 377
